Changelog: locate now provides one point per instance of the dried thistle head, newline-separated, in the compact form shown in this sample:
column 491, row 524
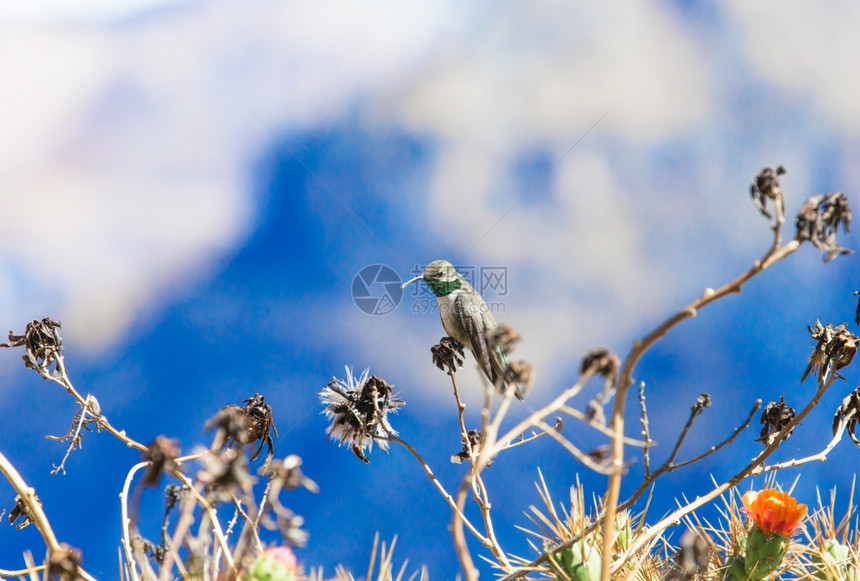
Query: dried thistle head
column 42, row 343
column 835, row 347
column 161, row 455
column 774, row 417
column 239, row 425
column 448, row 353
column 766, row 186
column 818, row 221
column 358, row 409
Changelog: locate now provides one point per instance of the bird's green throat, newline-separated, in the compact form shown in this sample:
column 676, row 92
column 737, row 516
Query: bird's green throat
column 443, row 287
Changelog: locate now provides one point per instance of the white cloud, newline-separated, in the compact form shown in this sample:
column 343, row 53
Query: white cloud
column 126, row 150
column 809, row 49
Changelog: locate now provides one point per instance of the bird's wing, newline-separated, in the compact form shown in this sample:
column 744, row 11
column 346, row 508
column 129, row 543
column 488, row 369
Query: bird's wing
column 476, row 328
column 473, row 324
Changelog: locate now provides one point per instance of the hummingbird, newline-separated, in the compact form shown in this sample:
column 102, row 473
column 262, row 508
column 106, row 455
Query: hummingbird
column 467, row 318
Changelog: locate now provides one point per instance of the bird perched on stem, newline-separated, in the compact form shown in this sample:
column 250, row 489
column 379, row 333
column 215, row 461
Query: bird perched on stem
column 467, row 318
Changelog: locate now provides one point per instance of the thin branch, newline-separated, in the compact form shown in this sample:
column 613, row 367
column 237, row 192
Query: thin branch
column 441, row 488
column 668, row 466
column 126, row 537
column 576, row 414
column 575, row 452
column 724, row 443
column 625, row 379
column 646, row 430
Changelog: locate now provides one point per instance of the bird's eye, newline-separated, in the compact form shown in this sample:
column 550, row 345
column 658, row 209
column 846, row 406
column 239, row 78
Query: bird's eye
column 438, row 274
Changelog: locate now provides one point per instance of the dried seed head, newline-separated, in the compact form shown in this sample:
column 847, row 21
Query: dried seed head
column 42, row 342
column 774, row 417
column 503, row 336
column 520, row 374
column 18, row 511
column 239, row 425
column 358, row 409
column 850, row 411
column 857, row 313
column 64, row 563
column 448, row 353
column 766, row 185
column 601, row 361
column 161, row 455
column 225, row 472
column 287, row 474
column 818, row 221
column 835, row 347
column 473, row 444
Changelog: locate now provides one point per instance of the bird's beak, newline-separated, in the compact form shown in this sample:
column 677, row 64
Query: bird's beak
column 407, row 283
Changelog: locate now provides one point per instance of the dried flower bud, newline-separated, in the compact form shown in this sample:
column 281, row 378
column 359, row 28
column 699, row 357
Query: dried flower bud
column 857, row 313
column 522, row 375
column 42, row 342
column 287, row 474
column 691, row 559
column 835, row 345
column 850, row 411
column 766, row 185
column 473, row 444
column 20, row 510
column 225, row 472
column 161, row 455
column 503, row 336
column 239, row 425
column 775, row 417
column 602, row 361
column 818, row 221
column 64, row 564
column 448, row 353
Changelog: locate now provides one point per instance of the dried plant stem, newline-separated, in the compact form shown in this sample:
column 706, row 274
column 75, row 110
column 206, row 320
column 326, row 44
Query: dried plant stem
column 126, row 521
column 34, row 508
column 489, row 452
column 470, row 573
column 625, row 379
column 481, row 493
column 28, row 572
column 185, row 520
column 440, row 487
column 646, row 430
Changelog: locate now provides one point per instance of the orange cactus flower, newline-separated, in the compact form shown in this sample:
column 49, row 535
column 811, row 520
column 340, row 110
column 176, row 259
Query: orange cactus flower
column 774, row 511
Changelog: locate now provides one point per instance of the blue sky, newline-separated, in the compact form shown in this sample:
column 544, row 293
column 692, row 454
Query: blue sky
column 192, row 187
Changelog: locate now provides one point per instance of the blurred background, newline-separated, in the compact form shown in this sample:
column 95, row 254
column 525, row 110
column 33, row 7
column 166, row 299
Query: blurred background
column 192, row 187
